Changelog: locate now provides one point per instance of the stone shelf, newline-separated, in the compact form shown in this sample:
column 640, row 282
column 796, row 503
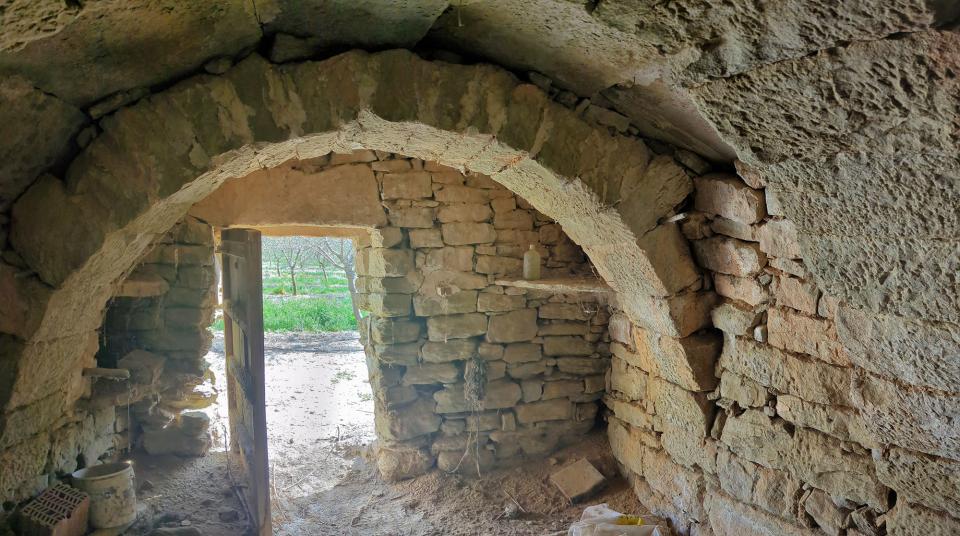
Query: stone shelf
column 143, row 286
column 562, row 285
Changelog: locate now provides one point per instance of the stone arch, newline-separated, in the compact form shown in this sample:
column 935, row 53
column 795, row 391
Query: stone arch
column 154, row 160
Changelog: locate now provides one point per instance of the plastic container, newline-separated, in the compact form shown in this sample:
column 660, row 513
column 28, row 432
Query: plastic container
column 601, row 520
column 113, row 501
column 531, row 264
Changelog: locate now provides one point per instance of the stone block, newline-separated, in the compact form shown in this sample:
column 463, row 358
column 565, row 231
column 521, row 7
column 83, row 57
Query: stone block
column 411, row 217
column 451, row 193
column 490, row 352
column 488, row 264
column 398, row 395
column 142, row 286
column 397, row 463
column 398, row 354
column 772, row 490
column 778, row 238
column 522, row 352
column 504, row 204
column 742, row 390
column 393, row 331
column 726, row 195
column 464, row 212
column 532, row 390
column 411, row 185
column 501, row 394
column 688, row 362
column 811, row 380
column 498, row 303
column 816, row 458
column 389, row 305
column 549, row 410
column 562, row 389
column 145, row 367
column 455, row 259
column 515, row 326
column 514, row 219
column 556, row 327
column 384, row 237
column 628, row 379
column 463, row 326
column 459, row 234
column 729, row 256
column 567, row 346
column 727, row 516
column 840, row 422
column 452, row 350
column 583, row 365
column 733, row 229
column 734, row 320
column 527, row 370
column 414, row 419
column 382, row 262
column 745, row 289
column 806, row 335
column 620, row 328
column 830, row 518
column 431, row 373
column 578, row 480
column 796, row 294
column 425, row 238
column 677, row 316
column 464, row 301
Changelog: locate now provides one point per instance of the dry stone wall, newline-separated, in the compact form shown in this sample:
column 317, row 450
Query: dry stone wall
column 466, row 371
column 786, row 432
column 158, row 328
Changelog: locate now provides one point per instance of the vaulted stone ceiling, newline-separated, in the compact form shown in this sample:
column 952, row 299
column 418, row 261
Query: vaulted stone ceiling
column 847, row 109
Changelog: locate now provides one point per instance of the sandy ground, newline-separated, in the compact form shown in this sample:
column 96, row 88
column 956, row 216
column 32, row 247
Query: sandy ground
column 320, row 422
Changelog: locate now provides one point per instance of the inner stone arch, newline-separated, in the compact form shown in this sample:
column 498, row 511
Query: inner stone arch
column 609, row 192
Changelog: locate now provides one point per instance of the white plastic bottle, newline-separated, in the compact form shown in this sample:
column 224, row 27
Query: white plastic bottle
column 531, row 264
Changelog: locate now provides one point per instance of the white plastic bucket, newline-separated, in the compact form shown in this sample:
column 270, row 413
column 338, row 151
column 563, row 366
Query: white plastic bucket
column 113, row 501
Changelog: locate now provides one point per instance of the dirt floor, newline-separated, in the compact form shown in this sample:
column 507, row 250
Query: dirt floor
column 320, row 421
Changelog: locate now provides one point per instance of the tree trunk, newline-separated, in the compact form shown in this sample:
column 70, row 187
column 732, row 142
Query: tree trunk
column 293, row 279
column 353, row 295
column 323, row 268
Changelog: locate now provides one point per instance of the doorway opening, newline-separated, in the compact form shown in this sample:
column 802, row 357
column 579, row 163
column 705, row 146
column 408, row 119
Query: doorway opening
column 318, row 401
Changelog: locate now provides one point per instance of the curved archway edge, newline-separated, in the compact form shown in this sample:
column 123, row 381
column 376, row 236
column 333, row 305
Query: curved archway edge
column 155, row 159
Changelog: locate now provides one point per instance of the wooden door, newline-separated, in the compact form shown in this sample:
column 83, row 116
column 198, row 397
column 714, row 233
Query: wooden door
column 243, row 345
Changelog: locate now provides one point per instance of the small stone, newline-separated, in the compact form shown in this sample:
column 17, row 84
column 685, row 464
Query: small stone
column 578, row 480
column 229, row 515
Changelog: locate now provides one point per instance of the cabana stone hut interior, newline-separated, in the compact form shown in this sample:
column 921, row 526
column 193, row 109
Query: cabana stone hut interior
column 748, row 215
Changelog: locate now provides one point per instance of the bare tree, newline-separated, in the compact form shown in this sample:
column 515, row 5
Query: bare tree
column 340, row 253
column 290, row 252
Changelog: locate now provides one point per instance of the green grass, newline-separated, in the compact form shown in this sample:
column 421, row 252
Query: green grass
column 308, row 282
column 305, row 314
